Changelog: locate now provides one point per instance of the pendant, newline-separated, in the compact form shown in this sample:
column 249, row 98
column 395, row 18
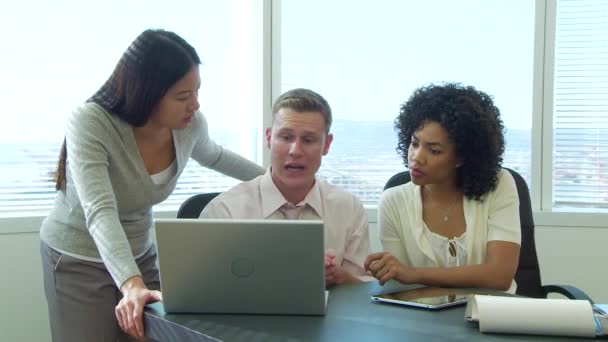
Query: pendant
column 445, row 218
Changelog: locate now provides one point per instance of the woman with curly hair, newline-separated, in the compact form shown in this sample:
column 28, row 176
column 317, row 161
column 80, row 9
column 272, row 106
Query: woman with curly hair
column 457, row 222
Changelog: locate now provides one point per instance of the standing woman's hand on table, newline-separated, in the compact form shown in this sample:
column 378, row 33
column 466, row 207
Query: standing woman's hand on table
column 129, row 311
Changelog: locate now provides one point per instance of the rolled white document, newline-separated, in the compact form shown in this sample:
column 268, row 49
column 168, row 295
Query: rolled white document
column 560, row 317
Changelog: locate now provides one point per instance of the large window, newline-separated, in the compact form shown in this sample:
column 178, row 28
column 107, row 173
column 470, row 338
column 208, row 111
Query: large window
column 368, row 59
column 580, row 118
column 365, row 57
column 56, row 56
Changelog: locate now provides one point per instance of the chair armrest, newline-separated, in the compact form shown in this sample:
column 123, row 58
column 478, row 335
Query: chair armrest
column 569, row 291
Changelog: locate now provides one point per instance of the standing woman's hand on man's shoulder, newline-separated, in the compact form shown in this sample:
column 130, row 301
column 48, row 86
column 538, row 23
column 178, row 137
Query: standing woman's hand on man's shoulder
column 129, row 311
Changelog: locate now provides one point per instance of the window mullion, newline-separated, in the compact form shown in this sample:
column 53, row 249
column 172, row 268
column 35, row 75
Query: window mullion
column 545, row 190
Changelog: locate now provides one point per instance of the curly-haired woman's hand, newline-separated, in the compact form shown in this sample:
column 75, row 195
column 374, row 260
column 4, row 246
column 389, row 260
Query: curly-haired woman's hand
column 384, row 267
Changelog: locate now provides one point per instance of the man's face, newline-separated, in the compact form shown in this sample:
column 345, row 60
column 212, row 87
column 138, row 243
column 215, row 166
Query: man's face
column 297, row 142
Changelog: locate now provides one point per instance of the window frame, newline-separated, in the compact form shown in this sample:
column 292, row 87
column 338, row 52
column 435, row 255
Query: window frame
column 542, row 130
column 542, row 124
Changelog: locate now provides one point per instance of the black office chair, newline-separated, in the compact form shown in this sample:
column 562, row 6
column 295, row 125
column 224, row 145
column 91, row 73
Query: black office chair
column 527, row 275
column 193, row 206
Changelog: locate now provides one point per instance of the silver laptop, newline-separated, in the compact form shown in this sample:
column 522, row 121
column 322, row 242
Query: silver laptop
column 242, row 266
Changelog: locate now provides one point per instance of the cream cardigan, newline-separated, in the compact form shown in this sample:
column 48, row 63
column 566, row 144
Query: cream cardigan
column 496, row 218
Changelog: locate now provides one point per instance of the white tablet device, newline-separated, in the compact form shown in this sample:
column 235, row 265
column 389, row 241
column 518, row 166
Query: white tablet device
column 425, row 297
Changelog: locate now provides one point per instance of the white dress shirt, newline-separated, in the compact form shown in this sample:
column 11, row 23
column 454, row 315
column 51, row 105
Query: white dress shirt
column 343, row 215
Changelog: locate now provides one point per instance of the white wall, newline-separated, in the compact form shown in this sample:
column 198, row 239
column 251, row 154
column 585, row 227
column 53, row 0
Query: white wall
column 575, row 256
column 24, row 315
column 567, row 255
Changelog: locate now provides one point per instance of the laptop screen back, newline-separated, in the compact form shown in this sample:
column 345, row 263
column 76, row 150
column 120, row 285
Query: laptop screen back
column 241, row 266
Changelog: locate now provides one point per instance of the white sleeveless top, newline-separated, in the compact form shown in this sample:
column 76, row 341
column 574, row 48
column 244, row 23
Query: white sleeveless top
column 448, row 252
column 165, row 175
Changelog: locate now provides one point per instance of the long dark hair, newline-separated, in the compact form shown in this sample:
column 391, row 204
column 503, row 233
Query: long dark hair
column 148, row 68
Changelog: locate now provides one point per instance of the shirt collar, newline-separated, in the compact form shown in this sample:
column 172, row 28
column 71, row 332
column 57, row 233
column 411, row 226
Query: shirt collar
column 272, row 199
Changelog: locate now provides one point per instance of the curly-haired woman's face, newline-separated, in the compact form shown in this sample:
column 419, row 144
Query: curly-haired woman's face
column 431, row 156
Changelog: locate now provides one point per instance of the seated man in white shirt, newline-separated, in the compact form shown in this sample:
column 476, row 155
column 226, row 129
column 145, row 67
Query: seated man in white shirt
column 298, row 139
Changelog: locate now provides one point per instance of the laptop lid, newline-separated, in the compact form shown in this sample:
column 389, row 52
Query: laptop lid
column 242, row 266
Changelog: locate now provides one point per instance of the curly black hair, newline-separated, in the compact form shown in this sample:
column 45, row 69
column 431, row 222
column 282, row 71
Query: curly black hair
column 473, row 124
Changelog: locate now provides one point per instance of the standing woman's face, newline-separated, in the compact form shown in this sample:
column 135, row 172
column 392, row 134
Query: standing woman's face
column 431, row 155
column 176, row 108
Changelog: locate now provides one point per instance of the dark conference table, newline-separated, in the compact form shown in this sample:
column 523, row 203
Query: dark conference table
column 351, row 316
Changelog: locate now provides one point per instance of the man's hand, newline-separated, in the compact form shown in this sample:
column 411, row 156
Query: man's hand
column 336, row 274
column 129, row 311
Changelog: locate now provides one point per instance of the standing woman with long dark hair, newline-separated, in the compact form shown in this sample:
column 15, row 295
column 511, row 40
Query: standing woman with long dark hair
column 123, row 153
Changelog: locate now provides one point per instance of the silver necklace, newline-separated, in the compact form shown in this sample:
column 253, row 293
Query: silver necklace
column 446, row 213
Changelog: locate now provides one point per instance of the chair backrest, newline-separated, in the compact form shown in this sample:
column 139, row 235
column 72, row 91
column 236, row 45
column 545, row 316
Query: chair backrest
column 193, row 206
column 528, row 270
column 527, row 275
